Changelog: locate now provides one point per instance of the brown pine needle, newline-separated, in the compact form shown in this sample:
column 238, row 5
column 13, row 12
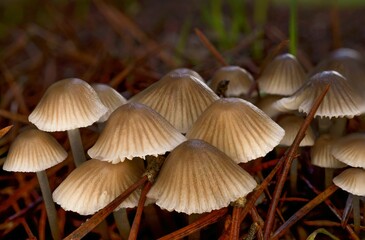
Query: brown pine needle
column 5, row 130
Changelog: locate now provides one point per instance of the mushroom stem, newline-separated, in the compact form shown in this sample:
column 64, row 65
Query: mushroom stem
column 324, row 125
column 50, row 206
column 76, row 146
column 338, row 128
column 356, row 212
column 122, row 222
column 191, row 219
column 328, row 176
column 294, row 176
column 103, row 230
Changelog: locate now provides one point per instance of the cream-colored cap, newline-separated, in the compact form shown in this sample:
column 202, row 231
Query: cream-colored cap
column 291, row 125
column 321, row 153
column 34, row 151
column 351, row 180
column 178, row 97
column 94, row 184
column 67, row 104
column 350, row 149
column 186, row 71
column 196, row 178
column 135, row 130
column 240, row 81
column 109, row 97
column 237, row 128
column 340, row 101
column 283, row 76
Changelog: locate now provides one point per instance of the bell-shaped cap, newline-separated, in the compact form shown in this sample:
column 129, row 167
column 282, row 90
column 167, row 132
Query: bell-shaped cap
column 135, row 130
column 291, row 124
column 67, row 104
column 34, row 151
column 240, row 81
column 109, row 97
column 351, row 180
column 350, row 149
column 94, row 184
column 186, row 71
column 321, row 153
column 283, row 76
column 340, row 101
column 178, row 97
column 196, row 178
column 237, row 128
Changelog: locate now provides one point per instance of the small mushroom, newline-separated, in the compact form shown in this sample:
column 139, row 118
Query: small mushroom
column 36, row 151
column 68, row 105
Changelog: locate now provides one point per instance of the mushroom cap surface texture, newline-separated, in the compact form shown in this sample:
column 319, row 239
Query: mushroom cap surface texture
column 340, row 101
column 291, row 125
column 178, row 97
column 283, row 76
column 197, row 177
column 351, row 180
column 135, row 130
column 238, row 128
column 350, row 149
column 67, row 104
column 240, row 81
column 321, row 155
column 34, row 151
column 94, row 184
column 109, row 97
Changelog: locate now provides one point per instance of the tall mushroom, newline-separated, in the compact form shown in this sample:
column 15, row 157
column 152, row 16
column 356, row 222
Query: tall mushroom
column 35, row 151
column 68, row 105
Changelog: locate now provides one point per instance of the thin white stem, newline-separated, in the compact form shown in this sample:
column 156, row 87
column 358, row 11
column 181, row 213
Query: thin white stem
column 356, row 212
column 50, row 206
column 122, row 222
column 328, row 176
column 76, row 146
column 294, row 176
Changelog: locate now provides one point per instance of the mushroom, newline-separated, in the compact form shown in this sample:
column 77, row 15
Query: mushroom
column 291, row 125
column 240, row 81
column 352, row 181
column 197, row 177
column 178, row 97
column 68, row 105
column 283, row 76
column 135, row 130
column 238, row 128
column 36, row 151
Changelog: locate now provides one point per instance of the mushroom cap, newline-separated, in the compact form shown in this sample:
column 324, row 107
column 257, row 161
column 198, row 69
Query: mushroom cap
column 135, row 130
column 291, row 124
column 238, row 128
column 67, row 104
column 351, row 180
column 266, row 104
column 350, row 149
column 186, row 71
column 340, row 101
column 283, row 76
column 178, row 97
column 321, row 153
column 109, row 97
column 34, row 151
column 240, row 81
column 196, row 177
column 94, row 184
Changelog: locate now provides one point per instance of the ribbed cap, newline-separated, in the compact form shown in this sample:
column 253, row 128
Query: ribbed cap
column 237, row 128
column 321, row 153
column 180, row 98
column 350, row 149
column 196, row 177
column 291, row 125
column 109, row 97
column 283, row 76
column 240, row 80
column 33, row 151
column 67, row 104
column 135, row 130
column 340, row 101
column 186, row 71
column 351, row 180
column 94, row 184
